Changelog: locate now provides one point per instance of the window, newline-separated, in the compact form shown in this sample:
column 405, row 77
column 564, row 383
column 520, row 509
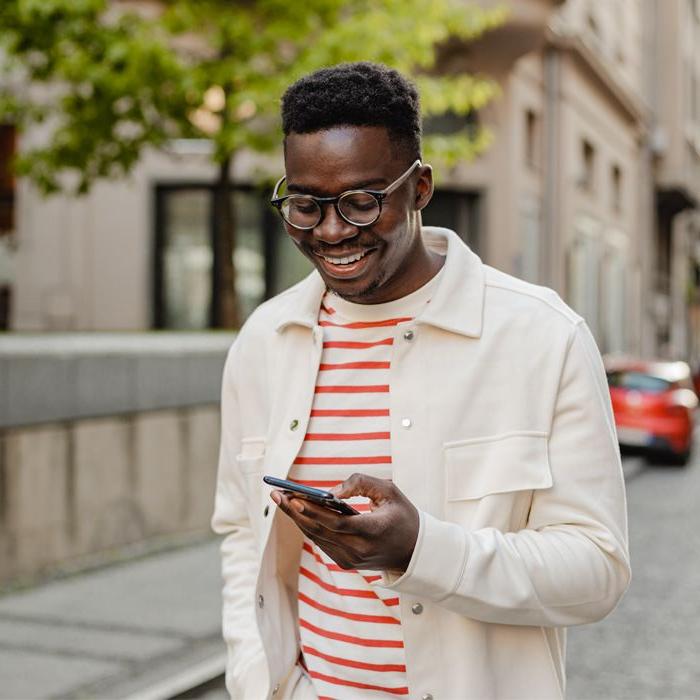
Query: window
column 458, row 211
column 527, row 262
column 583, row 272
column 265, row 261
column 616, row 188
column 638, row 381
column 613, row 296
column 7, row 181
column 8, row 141
column 531, row 139
column 451, row 123
column 587, row 180
column 186, row 260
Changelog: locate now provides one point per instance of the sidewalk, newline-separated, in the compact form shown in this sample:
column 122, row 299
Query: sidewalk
column 130, row 630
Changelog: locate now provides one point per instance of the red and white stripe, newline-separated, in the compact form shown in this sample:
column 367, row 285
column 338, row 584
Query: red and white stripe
column 351, row 632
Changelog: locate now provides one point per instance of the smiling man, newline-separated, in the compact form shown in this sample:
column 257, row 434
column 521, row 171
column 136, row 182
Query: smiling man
column 462, row 412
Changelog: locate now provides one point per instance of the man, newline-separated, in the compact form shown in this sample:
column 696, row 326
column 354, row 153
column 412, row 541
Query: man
column 463, row 412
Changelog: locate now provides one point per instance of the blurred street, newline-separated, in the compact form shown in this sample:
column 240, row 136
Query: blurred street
column 138, row 235
column 650, row 646
column 149, row 628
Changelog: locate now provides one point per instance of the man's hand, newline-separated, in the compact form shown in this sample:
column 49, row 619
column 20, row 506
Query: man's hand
column 382, row 539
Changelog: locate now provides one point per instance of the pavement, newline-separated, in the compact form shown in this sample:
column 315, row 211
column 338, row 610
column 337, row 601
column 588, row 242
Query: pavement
column 145, row 629
column 649, row 647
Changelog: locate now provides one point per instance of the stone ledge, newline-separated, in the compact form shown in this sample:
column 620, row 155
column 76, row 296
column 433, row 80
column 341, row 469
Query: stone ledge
column 61, row 377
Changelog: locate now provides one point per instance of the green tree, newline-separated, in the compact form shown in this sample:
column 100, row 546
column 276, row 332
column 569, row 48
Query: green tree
column 125, row 75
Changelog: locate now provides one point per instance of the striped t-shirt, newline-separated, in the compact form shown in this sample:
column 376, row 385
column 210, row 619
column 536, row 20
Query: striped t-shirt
column 350, row 631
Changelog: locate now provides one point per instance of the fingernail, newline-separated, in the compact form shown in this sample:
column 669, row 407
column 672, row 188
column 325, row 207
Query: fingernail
column 275, row 497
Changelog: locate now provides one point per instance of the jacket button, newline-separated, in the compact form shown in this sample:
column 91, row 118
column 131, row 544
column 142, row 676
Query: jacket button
column 408, row 335
column 261, row 601
column 416, row 608
column 406, row 422
column 294, row 424
column 266, row 511
column 427, row 696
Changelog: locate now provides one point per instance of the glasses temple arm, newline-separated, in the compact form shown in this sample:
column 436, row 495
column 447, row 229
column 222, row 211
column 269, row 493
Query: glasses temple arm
column 397, row 183
column 277, row 187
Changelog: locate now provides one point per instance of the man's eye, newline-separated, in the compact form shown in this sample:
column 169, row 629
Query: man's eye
column 360, row 203
column 304, row 206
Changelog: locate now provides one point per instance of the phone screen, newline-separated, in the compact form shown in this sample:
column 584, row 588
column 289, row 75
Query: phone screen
column 322, row 498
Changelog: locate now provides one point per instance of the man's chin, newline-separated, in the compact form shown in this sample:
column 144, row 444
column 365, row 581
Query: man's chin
column 354, row 291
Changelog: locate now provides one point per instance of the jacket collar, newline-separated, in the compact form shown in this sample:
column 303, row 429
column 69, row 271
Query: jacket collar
column 457, row 305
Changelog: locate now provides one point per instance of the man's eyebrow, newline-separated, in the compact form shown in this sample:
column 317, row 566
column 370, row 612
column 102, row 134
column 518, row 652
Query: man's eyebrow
column 365, row 184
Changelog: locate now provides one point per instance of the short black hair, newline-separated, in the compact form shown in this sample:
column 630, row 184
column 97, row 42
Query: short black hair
column 355, row 94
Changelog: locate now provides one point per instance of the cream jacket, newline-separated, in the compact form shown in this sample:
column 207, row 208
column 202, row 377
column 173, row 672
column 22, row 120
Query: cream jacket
column 511, row 458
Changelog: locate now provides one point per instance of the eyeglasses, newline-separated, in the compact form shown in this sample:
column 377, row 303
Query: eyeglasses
column 357, row 207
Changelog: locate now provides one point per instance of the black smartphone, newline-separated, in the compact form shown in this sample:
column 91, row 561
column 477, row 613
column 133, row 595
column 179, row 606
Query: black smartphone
column 322, row 498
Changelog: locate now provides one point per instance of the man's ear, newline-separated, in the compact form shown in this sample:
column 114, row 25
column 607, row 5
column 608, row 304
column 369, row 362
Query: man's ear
column 424, row 186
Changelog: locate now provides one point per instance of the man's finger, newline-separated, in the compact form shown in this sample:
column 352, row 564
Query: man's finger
column 378, row 490
column 316, row 521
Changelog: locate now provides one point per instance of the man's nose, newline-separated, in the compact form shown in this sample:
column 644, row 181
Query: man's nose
column 333, row 228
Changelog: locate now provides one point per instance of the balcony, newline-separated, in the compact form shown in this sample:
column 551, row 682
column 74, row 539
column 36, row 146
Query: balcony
column 495, row 52
column 676, row 138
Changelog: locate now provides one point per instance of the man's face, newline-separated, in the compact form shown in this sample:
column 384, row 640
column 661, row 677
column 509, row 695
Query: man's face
column 327, row 163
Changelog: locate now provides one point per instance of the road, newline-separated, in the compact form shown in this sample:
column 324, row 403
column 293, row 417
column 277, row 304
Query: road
column 649, row 648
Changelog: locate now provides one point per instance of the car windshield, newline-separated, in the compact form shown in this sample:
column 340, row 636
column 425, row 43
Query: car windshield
column 638, row 381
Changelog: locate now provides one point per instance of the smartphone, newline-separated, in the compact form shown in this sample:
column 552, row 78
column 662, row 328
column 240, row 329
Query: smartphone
column 322, row 498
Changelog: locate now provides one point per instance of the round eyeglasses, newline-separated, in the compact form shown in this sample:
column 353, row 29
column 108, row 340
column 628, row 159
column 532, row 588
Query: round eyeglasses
column 357, row 207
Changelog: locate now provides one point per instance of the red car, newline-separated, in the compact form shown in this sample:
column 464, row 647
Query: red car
column 653, row 403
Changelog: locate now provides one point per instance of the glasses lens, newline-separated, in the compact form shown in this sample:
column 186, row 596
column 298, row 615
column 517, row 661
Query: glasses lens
column 301, row 211
column 359, row 208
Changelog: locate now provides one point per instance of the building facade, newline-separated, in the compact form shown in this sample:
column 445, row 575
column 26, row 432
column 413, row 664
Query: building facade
column 590, row 187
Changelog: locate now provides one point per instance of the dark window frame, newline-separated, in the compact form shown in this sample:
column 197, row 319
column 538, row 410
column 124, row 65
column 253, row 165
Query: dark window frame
column 161, row 190
column 469, row 202
column 8, row 150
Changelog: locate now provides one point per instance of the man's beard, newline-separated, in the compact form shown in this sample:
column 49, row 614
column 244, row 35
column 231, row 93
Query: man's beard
column 312, row 252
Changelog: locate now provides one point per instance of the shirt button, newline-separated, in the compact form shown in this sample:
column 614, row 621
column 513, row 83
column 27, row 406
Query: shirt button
column 408, row 335
column 416, row 608
column 294, row 424
column 261, row 601
column 275, row 690
column 406, row 423
column 266, row 511
column 427, row 696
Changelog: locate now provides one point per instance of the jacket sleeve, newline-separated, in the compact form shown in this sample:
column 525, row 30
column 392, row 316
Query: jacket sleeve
column 570, row 565
column 246, row 660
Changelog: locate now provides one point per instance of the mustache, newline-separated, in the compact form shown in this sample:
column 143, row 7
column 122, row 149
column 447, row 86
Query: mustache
column 349, row 245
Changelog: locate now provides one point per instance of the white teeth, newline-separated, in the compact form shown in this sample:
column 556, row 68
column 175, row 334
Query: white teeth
column 345, row 261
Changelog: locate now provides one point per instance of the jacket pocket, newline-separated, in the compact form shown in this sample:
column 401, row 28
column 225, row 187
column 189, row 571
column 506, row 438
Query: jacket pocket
column 489, row 480
column 252, row 454
column 251, row 462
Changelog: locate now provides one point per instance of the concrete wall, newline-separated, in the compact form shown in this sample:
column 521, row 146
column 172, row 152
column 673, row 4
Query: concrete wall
column 104, row 441
column 86, row 263
column 80, row 487
column 59, row 377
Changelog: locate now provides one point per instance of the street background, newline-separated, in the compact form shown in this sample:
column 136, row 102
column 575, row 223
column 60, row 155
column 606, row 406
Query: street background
column 149, row 626
column 139, row 143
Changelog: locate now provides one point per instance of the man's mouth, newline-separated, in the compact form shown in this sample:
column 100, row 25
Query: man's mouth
column 345, row 266
column 345, row 259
